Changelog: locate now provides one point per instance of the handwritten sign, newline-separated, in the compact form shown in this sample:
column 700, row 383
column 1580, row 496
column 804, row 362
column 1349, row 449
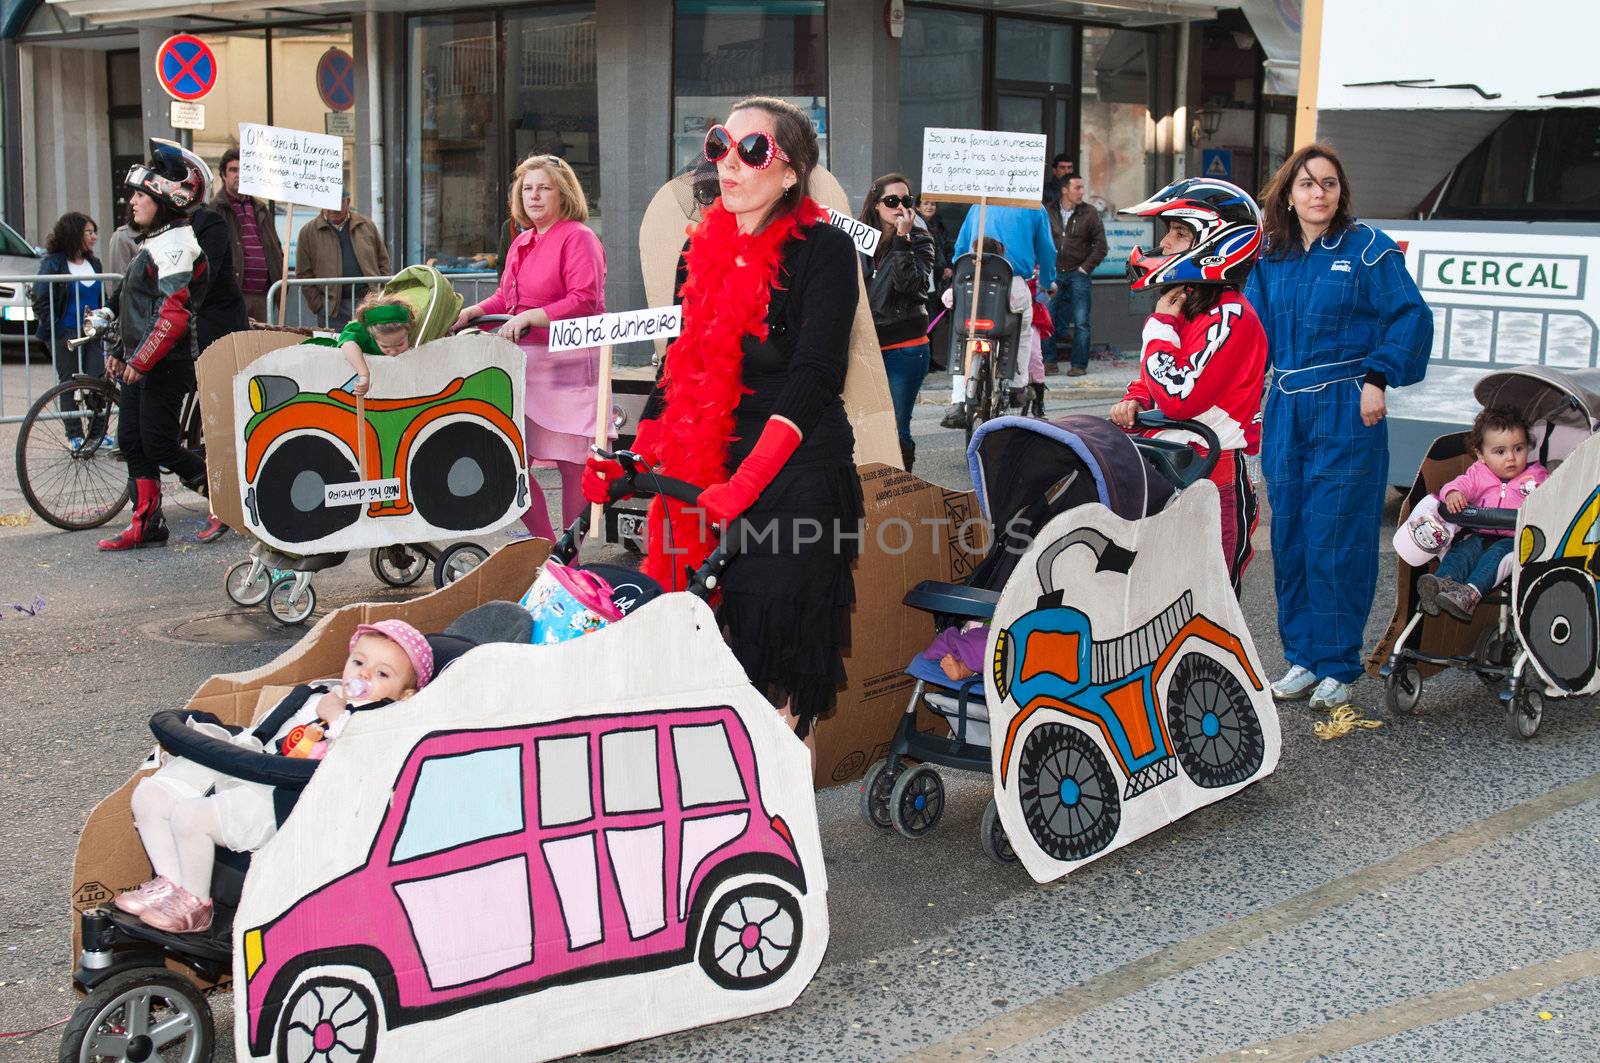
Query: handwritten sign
column 966, row 165
column 866, row 236
column 291, row 165
column 361, row 493
column 628, row 326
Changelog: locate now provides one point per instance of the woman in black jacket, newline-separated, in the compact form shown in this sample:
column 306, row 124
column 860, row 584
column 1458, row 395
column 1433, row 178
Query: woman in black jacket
column 59, row 306
column 898, row 275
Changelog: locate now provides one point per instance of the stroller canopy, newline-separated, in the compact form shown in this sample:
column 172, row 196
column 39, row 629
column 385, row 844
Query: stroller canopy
column 1540, row 393
column 433, row 299
column 1026, row 471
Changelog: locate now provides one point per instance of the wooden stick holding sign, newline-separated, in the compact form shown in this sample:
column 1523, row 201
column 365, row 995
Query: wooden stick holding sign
column 361, row 437
column 283, row 290
column 292, row 166
column 605, row 331
column 977, row 287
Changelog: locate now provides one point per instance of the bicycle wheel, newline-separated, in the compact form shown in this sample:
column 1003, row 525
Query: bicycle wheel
column 65, row 463
column 979, row 407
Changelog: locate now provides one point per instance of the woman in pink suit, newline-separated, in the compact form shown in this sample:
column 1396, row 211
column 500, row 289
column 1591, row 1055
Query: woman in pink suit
column 555, row 269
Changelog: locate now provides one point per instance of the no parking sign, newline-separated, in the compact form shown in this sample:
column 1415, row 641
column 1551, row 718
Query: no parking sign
column 336, row 79
column 186, row 67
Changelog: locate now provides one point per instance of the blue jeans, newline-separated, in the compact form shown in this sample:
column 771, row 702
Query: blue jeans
column 1475, row 559
column 906, row 367
column 1071, row 300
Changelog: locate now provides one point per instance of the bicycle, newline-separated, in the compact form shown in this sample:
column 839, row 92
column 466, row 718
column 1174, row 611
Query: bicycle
column 68, row 465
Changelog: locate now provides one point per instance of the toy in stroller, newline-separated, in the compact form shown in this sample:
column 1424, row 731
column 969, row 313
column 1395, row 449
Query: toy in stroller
column 449, row 455
column 370, row 938
column 1535, row 634
column 1026, row 472
column 999, row 340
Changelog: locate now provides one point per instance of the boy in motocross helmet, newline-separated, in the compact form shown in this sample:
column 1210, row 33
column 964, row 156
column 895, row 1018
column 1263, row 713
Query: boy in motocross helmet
column 166, row 282
column 1205, row 353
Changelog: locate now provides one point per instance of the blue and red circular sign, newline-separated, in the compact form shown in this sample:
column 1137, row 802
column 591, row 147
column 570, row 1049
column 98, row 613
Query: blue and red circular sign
column 336, row 79
column 186, row 67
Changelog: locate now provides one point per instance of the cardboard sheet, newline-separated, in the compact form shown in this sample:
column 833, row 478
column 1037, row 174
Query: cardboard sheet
column 866, row 388
column 220, row 363
column 1554, row 587
column 443, row 446
column 1125, row 691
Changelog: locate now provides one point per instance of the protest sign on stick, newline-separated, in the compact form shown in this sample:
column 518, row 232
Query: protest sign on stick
column 295, row 167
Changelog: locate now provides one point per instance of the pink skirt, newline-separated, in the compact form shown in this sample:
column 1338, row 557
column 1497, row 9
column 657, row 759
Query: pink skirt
column 559, row 403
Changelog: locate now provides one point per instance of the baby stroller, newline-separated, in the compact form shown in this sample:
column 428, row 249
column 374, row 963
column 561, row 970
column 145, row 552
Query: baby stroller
column 999, row 337
column 283, row 581
column 1534, row 634
column 1026, row 472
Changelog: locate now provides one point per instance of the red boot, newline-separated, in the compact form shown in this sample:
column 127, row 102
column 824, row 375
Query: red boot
column 149, row 527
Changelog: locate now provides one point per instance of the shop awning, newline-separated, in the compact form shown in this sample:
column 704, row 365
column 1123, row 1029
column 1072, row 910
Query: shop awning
column 1277, row 27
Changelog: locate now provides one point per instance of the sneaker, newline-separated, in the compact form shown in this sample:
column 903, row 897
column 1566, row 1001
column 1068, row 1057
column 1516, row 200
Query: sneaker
column 178, row 912
column 107, row 443
column 1459, row 600
column 1078, row 370
column 1330, row 694
column 955, row 416
column 213, row 530
column 135, row 901
column 75, row 443
column 1295, row 684
column 1052, row 368
column 1428, row 588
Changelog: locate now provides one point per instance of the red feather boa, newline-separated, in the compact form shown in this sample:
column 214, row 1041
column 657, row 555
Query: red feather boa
column 730, row 277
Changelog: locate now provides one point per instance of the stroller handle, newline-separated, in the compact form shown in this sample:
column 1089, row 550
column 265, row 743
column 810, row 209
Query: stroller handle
column 1155, row 419
column 1484, row 518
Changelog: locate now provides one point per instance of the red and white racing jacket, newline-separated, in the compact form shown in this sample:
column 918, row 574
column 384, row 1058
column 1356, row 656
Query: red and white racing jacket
column 165, row 283
column 1209, row 369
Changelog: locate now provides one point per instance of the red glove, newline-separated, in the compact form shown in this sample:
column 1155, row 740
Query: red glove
column 599, row 473
column 725, row 501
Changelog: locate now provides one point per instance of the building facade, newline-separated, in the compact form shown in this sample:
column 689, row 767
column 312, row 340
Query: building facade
column 437, row 103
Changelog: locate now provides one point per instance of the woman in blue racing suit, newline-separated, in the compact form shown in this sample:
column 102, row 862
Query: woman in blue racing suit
column 1344, row 321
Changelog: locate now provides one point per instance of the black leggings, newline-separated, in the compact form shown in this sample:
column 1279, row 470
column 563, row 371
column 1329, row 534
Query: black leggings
column 148, row 429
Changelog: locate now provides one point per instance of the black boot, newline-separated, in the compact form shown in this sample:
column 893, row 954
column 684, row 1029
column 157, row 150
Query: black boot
column 908, row 455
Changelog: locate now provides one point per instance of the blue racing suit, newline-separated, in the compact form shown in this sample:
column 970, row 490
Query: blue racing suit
column 1341, row 314
column 1025, row 234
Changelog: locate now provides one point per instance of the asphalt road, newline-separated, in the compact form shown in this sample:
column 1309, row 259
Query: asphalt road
column 1419, row 891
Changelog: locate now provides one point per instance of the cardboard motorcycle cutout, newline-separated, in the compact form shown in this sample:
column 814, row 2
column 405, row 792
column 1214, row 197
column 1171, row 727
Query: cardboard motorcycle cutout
column 439, row 433
column 1125, row 690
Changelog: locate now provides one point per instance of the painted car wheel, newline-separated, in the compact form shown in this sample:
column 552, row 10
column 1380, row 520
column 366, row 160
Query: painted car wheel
column 1557, row 621
column 1213, row 723
column 751, row 936
column 328, row 1020
column 291, row 485
column 463, row 477
column 1067, row 792
column 145, row 1013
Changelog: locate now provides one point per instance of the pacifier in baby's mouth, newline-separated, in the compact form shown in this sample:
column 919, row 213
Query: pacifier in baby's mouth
column 356, row 688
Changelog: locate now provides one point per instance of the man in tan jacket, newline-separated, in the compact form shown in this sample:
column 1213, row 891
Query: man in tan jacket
column 338, row 243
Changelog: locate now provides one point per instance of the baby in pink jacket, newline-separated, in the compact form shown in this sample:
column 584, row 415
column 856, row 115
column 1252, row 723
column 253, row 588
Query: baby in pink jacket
column 1501, row 478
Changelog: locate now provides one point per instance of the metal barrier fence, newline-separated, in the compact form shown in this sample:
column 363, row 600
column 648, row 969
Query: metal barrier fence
column 339, row 295
column 29, row 366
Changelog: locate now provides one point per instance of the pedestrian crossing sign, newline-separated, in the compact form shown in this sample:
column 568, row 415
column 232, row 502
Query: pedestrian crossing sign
column 1217, row 162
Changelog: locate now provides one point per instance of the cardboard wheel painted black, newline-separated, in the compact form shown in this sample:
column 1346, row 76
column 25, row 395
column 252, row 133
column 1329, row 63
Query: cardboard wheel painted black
column 462, row 476
column 1068, row 794
column 291, row 488
column 1213, row 723
column 1556, row 618
column 327, row 1019
column 751, row 936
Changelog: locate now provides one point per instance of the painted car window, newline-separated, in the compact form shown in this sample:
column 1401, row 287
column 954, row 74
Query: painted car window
column 707, row 773
column 631, row 771
column 462, row 798
column 564, row 780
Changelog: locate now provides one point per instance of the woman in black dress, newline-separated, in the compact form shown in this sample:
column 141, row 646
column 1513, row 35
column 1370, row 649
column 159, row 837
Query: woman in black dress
column 749, row 403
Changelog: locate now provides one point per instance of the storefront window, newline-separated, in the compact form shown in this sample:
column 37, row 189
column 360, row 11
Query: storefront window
column 1029, row 50
column 1116, row 142
column 484, row 93
column 941, row 79
column 724, row 50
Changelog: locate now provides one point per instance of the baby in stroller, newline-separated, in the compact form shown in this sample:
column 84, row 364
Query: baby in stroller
column 1502, row 477
column 381, row 326
column 187, row 808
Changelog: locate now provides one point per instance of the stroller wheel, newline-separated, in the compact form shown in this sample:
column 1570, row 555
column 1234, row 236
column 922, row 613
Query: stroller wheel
column 171, row 1014
column 992, row 836
column 875, row 790
column 248, row 582
column 457, row 562
column 286, row 607
column 399, row 565
column 1494, row 650
column 917, row 801
column 1525, row 713
column 1402, row 690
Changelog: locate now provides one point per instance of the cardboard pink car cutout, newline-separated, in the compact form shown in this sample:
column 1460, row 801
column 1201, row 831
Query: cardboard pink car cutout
column 488, row 828
column 531, row 844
